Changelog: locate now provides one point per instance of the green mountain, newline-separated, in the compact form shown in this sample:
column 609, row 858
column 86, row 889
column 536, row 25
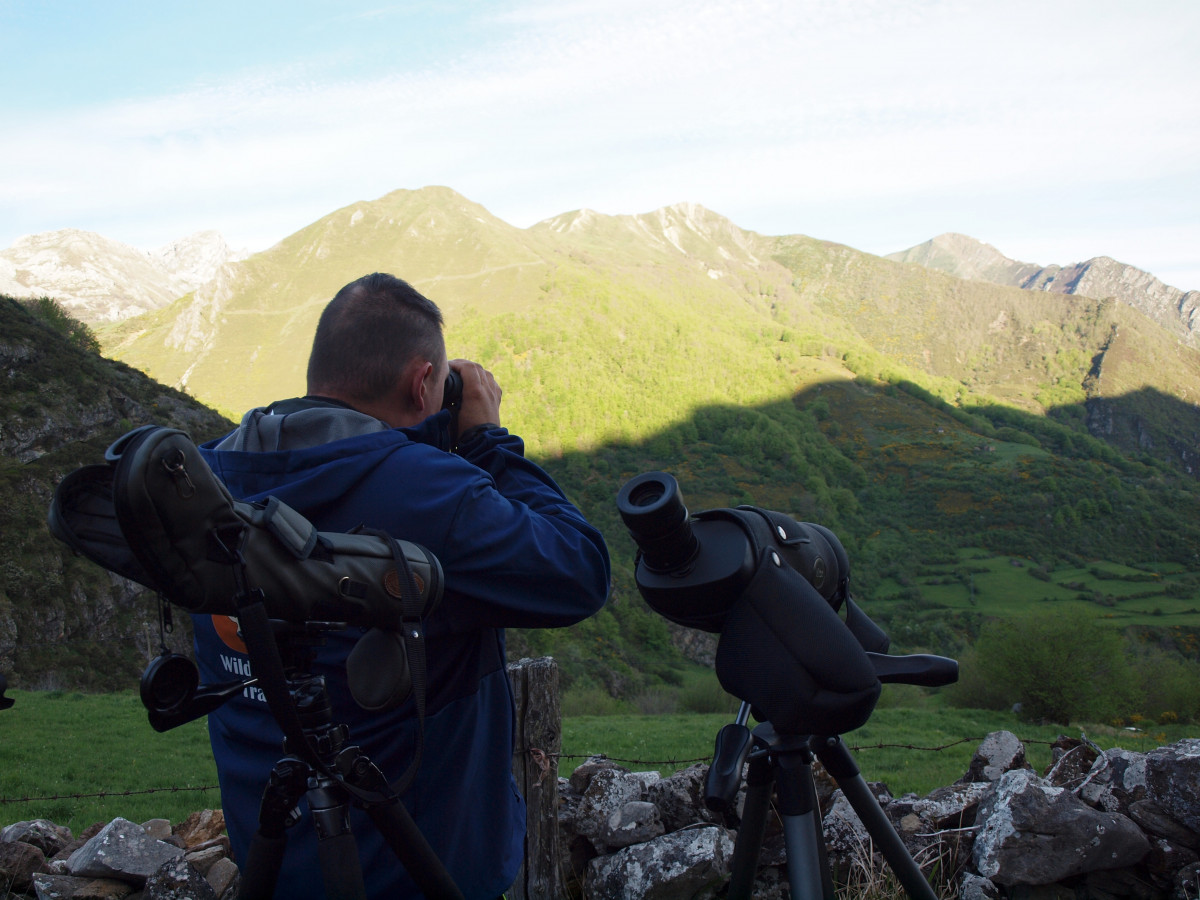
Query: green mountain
column 921, row 416
column 1101, row 276
column 615, row 327
column 65, row 622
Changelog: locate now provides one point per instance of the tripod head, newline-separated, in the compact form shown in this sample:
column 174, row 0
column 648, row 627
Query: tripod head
column 793, row 643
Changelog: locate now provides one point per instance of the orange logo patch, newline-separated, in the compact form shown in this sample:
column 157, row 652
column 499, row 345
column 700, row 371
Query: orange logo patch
column 227, row 630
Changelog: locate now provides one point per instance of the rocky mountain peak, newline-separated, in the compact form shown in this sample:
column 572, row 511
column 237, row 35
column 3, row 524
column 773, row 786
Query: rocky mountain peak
column 194, row 261
column 1099, row 277
column 98, row 279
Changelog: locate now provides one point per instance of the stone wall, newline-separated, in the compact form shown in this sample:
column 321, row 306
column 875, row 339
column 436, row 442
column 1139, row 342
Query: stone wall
column 152, row 861
column 1095, row 825
column 1101, row 825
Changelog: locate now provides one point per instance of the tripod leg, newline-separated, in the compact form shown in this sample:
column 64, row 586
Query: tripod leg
column 277, row 810
column 808, row 873
column 263, row 862
column 841, row 766
column 760, row 781
column 398, row 828
column 410, row 846
column 336, row 847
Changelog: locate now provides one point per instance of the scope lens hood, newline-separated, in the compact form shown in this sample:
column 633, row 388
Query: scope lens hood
column 169, row 683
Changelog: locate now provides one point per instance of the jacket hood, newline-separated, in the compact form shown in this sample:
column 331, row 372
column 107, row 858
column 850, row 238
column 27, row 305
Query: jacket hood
column 307, row 422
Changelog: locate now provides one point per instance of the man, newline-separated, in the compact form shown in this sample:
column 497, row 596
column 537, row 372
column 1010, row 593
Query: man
column 369, row 446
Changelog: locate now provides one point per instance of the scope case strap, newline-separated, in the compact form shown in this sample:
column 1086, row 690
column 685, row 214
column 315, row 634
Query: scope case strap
column 412, row 608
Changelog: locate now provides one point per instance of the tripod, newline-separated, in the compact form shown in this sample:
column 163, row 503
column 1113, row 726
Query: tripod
column 331, row 774
column 780, row 764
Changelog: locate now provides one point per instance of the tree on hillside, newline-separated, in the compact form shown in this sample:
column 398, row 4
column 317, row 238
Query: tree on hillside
column 1058, row 665
column 52, row 313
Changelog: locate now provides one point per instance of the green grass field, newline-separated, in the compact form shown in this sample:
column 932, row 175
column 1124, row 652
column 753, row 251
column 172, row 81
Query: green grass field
column 911, row 750
column 1002, row 586
column 61, row 749
column 77, row 759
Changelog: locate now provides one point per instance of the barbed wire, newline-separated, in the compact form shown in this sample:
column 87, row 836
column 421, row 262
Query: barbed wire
column 103, row 795
column 853, row 748
column 537, row 754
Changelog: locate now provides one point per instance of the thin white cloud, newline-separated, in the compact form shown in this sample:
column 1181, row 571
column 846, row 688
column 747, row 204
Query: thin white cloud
column 752, row 108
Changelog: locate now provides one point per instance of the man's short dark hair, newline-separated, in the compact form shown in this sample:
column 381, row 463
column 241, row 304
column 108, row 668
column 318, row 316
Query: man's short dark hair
column 369, row 332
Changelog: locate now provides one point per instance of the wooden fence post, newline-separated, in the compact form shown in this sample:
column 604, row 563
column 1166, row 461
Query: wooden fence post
column 535, row 767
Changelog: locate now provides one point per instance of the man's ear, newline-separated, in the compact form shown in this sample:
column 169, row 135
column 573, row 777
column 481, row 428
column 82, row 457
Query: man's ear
column 419, row 386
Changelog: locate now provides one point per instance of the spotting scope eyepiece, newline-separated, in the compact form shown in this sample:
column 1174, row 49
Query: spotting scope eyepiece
column 652, row 508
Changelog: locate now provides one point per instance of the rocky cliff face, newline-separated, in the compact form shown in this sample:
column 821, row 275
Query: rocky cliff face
column 101, row 280
column 1100, row 277
column 65, row 622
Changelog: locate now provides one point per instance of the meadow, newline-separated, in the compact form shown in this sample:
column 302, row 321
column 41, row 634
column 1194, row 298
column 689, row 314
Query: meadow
column 77, row 759
column 910, row 750
column 1156, row 594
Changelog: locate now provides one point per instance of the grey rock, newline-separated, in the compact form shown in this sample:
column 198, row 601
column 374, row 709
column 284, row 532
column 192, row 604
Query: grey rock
column 1187, row 883
column 953, row 806
column 771, row 883
column 205, row 859
column 634, row 822
column 223, row 876
column 177, row 879
column 582, row 776
column 18, row 864
column 41, row 833
column 680, row 798
column 1034, row 833
column 121, row 850
column 1173, row 780
column 577, row 848
column 1153, row 820
column 976, row 887
column 159, row 829
column 1073, row 759
column 1116, row 779
column 70, row 887
column 1165, row 859
column 607, row 791
column 999, row 752
column 674, row 866
column 845, row 834
column 1118, row 884
column 200, row 827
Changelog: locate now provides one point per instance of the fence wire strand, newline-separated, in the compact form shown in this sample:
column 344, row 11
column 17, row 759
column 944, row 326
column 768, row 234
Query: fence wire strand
column 532, row 751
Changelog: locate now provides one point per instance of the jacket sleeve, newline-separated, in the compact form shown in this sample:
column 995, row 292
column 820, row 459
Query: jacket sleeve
column 520, row 554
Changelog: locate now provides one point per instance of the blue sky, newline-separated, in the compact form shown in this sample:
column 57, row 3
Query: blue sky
column 1053, row 130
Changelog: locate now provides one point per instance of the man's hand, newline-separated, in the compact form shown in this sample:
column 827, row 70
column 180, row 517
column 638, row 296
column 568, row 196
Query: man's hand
column 481, row 395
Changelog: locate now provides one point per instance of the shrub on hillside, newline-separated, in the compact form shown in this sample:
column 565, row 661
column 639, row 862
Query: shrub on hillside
column 1059, row 666
column 53, row 314
column 1170, row 687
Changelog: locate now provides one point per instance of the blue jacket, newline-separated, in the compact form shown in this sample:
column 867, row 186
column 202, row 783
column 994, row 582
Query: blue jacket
column 515, row 553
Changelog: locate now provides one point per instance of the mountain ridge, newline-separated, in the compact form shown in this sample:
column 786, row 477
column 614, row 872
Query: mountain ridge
column 1099, row 277
column 113, row 281
column 692, row 285
column 98, row 279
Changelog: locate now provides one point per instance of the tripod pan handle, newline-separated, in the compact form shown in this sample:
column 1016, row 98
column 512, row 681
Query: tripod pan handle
column 921, row 668
column 725, row 774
